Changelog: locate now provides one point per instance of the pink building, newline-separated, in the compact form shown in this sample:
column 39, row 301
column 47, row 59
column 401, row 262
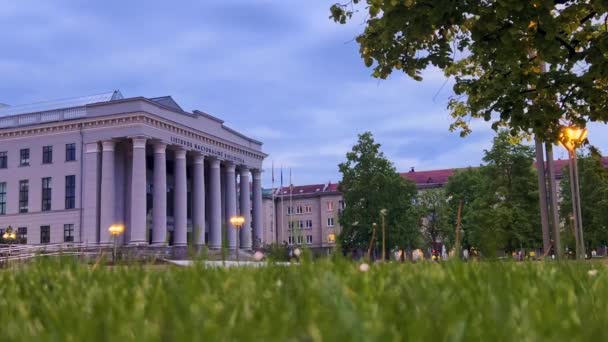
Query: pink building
column 70, row 169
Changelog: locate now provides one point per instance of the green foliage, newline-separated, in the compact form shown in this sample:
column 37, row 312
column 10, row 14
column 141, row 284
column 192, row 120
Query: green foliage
column 495, row 51
column 313, row 301
column 433, row 216
column 370, row 184
column 593, row 184
column 500, row 199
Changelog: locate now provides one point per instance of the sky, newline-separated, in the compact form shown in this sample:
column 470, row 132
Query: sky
column 277, row 71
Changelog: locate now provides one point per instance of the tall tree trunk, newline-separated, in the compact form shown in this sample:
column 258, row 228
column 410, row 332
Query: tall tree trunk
column 554, row 215
column 542, row 194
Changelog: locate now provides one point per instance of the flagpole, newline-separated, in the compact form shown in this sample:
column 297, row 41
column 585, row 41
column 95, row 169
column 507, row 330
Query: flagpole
column 282, row 207
column 274, row 212
column 291, row 221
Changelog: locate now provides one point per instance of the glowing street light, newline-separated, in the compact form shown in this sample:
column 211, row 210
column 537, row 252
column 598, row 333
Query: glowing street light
column 331, row 238
column 115, row 230
column 237, row 222
column 571, row 138
column 9, row 236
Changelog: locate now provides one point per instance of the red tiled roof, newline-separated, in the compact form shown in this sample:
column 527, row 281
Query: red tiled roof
column 423, row 179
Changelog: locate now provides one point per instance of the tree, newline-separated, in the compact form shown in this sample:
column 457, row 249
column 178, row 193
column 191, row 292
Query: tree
column 433, row 212
column 496, row 50
column 593, row 177
column 369, row 184
column 500, row 198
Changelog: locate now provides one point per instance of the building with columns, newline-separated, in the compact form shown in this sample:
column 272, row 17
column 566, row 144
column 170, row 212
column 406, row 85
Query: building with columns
column 70, row 169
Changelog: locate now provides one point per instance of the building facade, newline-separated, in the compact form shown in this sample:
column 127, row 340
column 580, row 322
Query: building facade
column 305, row 215
column 70, row 169
column 308, row 214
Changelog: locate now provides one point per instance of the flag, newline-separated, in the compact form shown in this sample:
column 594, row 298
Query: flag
column 273, row 173
column 281, row 177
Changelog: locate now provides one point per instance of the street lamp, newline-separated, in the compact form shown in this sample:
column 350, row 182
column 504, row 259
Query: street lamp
column 115, row 230
column 237, row 222
column 383, row 216
column 572, row 137
column 331, row 238
column 9, row 236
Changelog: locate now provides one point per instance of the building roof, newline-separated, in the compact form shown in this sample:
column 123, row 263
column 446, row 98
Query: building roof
column 422, row 179
column 438, row 178
column 307, row 190
column 45, row 106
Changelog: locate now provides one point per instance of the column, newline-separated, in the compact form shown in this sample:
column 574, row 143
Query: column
column 108, row 192
column 230, row 203
column 180, row 220
column 198, row 200
column 258, row 218
column 215, row 218
column 90, row 196
column 245, row 204
column 137, row 225
column 159, row 209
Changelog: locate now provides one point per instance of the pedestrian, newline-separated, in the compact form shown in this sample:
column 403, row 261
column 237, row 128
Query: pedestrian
column 465, row 254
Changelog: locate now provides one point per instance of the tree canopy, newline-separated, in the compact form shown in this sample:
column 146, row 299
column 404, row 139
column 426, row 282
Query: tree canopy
column 496, row 50
column 500, row 198
column 370, row 184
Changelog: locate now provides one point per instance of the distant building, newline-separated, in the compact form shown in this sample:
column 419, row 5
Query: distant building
column 308, row 214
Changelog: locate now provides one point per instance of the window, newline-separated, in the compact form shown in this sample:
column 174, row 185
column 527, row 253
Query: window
column 300, row 224
column 46, row 193
column 309, row 209
column 24, row 188
column 289, row 210
column 330, row 206
column 70, row 192
column 290, row 240
column 300, row 239
column 70, row 152
column 24, row 159
column 309, row 224
column 68, row 233
column 308, row 239
column 292, row 225
column 45, row 234
column 3, row 160
column 47, row 154
column 330, row 221
column 22, row 235
column 342, row 205
column 299, row 209
column 3, row 198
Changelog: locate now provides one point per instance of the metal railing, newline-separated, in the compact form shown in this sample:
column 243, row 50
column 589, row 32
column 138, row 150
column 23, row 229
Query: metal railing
column 25, row 252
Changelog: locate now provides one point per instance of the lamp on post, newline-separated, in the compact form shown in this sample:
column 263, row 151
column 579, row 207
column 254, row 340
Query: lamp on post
column 237, row 222
column 115, row 230
column 9, row 236
column 571, row 138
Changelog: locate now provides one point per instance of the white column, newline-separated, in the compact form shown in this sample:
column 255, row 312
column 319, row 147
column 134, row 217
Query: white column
column 90, row 196
column 159, row 209
column 107, row 213
column 180, row 200
column 230, row 203
column 215, row 205
column 137, row 225
column 245, row 204
column 198, row 200
column 258, row 219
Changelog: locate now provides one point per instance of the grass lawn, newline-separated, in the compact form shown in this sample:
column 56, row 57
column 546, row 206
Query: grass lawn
column 319, row 301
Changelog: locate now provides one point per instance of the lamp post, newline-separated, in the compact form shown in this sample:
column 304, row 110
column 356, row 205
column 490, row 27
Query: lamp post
column 9, row 236
column 572, row 137
column 383, row 215
column 371, row 241
column 237, row 222
column 115, row 230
